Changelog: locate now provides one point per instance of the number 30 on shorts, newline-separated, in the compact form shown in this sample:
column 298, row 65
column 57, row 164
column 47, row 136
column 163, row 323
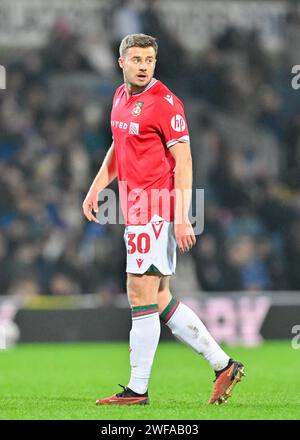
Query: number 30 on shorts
column 140, row 243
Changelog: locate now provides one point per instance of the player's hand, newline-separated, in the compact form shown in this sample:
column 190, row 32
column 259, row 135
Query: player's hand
column 89, row 205
column 185, row 236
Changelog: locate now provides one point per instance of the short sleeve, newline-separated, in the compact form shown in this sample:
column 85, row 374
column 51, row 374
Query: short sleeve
column 172, row 123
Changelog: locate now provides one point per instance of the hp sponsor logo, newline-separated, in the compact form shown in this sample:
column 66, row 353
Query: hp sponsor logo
column 178, row 123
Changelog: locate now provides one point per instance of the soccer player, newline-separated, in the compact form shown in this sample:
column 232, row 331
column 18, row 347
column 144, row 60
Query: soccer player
column 150, row 155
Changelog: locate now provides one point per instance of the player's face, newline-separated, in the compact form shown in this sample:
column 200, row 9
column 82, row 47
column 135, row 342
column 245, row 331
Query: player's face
column 138, row 66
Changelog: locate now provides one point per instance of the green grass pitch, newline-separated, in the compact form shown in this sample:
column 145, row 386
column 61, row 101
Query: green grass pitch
column 63, row 381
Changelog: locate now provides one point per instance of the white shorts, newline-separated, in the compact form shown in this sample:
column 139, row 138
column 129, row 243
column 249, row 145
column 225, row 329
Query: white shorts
column 149, row 245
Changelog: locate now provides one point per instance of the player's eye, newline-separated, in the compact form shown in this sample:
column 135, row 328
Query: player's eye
column 139, row 60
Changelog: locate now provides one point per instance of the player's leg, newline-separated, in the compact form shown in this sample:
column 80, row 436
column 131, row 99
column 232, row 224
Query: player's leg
column 145, row 332
column 188, row 328
column 144, row 337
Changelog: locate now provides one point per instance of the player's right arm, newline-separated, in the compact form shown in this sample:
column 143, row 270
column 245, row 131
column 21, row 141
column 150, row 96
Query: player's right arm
column 106, row 174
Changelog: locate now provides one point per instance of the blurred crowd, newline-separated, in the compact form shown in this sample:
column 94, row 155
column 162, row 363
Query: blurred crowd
column 244, row 120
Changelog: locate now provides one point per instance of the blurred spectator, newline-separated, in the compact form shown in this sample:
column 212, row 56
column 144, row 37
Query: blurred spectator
column 62, row 52
column 270, row 113
column 171, row 61
column 62, row 285
column 292, row 34
column 253, row 273
column 208, row 264
column 126, row 19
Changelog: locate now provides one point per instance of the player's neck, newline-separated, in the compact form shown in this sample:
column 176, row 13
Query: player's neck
column 135, row 90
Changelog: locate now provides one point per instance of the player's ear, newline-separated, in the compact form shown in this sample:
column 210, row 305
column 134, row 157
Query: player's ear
column 121, row 62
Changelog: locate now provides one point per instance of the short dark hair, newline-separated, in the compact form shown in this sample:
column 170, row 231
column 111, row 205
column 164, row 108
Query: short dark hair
column 137, row 40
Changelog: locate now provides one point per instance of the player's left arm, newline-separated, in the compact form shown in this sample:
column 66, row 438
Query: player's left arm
column 184, row 232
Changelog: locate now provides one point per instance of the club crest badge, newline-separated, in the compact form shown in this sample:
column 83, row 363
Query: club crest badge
column 137, row 109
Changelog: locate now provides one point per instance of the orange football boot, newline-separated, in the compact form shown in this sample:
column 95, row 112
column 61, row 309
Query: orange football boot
column 125, row 397
column 225, row 381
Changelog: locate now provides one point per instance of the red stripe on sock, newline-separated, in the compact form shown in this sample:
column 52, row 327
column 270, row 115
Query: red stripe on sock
column 172, row 311
column 147, row 312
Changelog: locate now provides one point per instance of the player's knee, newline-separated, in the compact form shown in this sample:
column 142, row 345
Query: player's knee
column 135, row 298
column 135, row 293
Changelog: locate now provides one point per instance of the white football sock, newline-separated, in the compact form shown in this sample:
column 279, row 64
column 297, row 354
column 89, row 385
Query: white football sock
column 188, row 328
column 144, row 337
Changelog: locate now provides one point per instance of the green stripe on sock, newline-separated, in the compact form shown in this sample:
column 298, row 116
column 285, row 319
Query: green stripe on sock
column 168, row 309
column 144, row 310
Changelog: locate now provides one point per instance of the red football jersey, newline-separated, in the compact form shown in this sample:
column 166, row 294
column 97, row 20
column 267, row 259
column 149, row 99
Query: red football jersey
column 144, row 127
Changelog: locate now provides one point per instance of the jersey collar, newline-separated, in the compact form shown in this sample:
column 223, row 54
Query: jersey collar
column 151, row 84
